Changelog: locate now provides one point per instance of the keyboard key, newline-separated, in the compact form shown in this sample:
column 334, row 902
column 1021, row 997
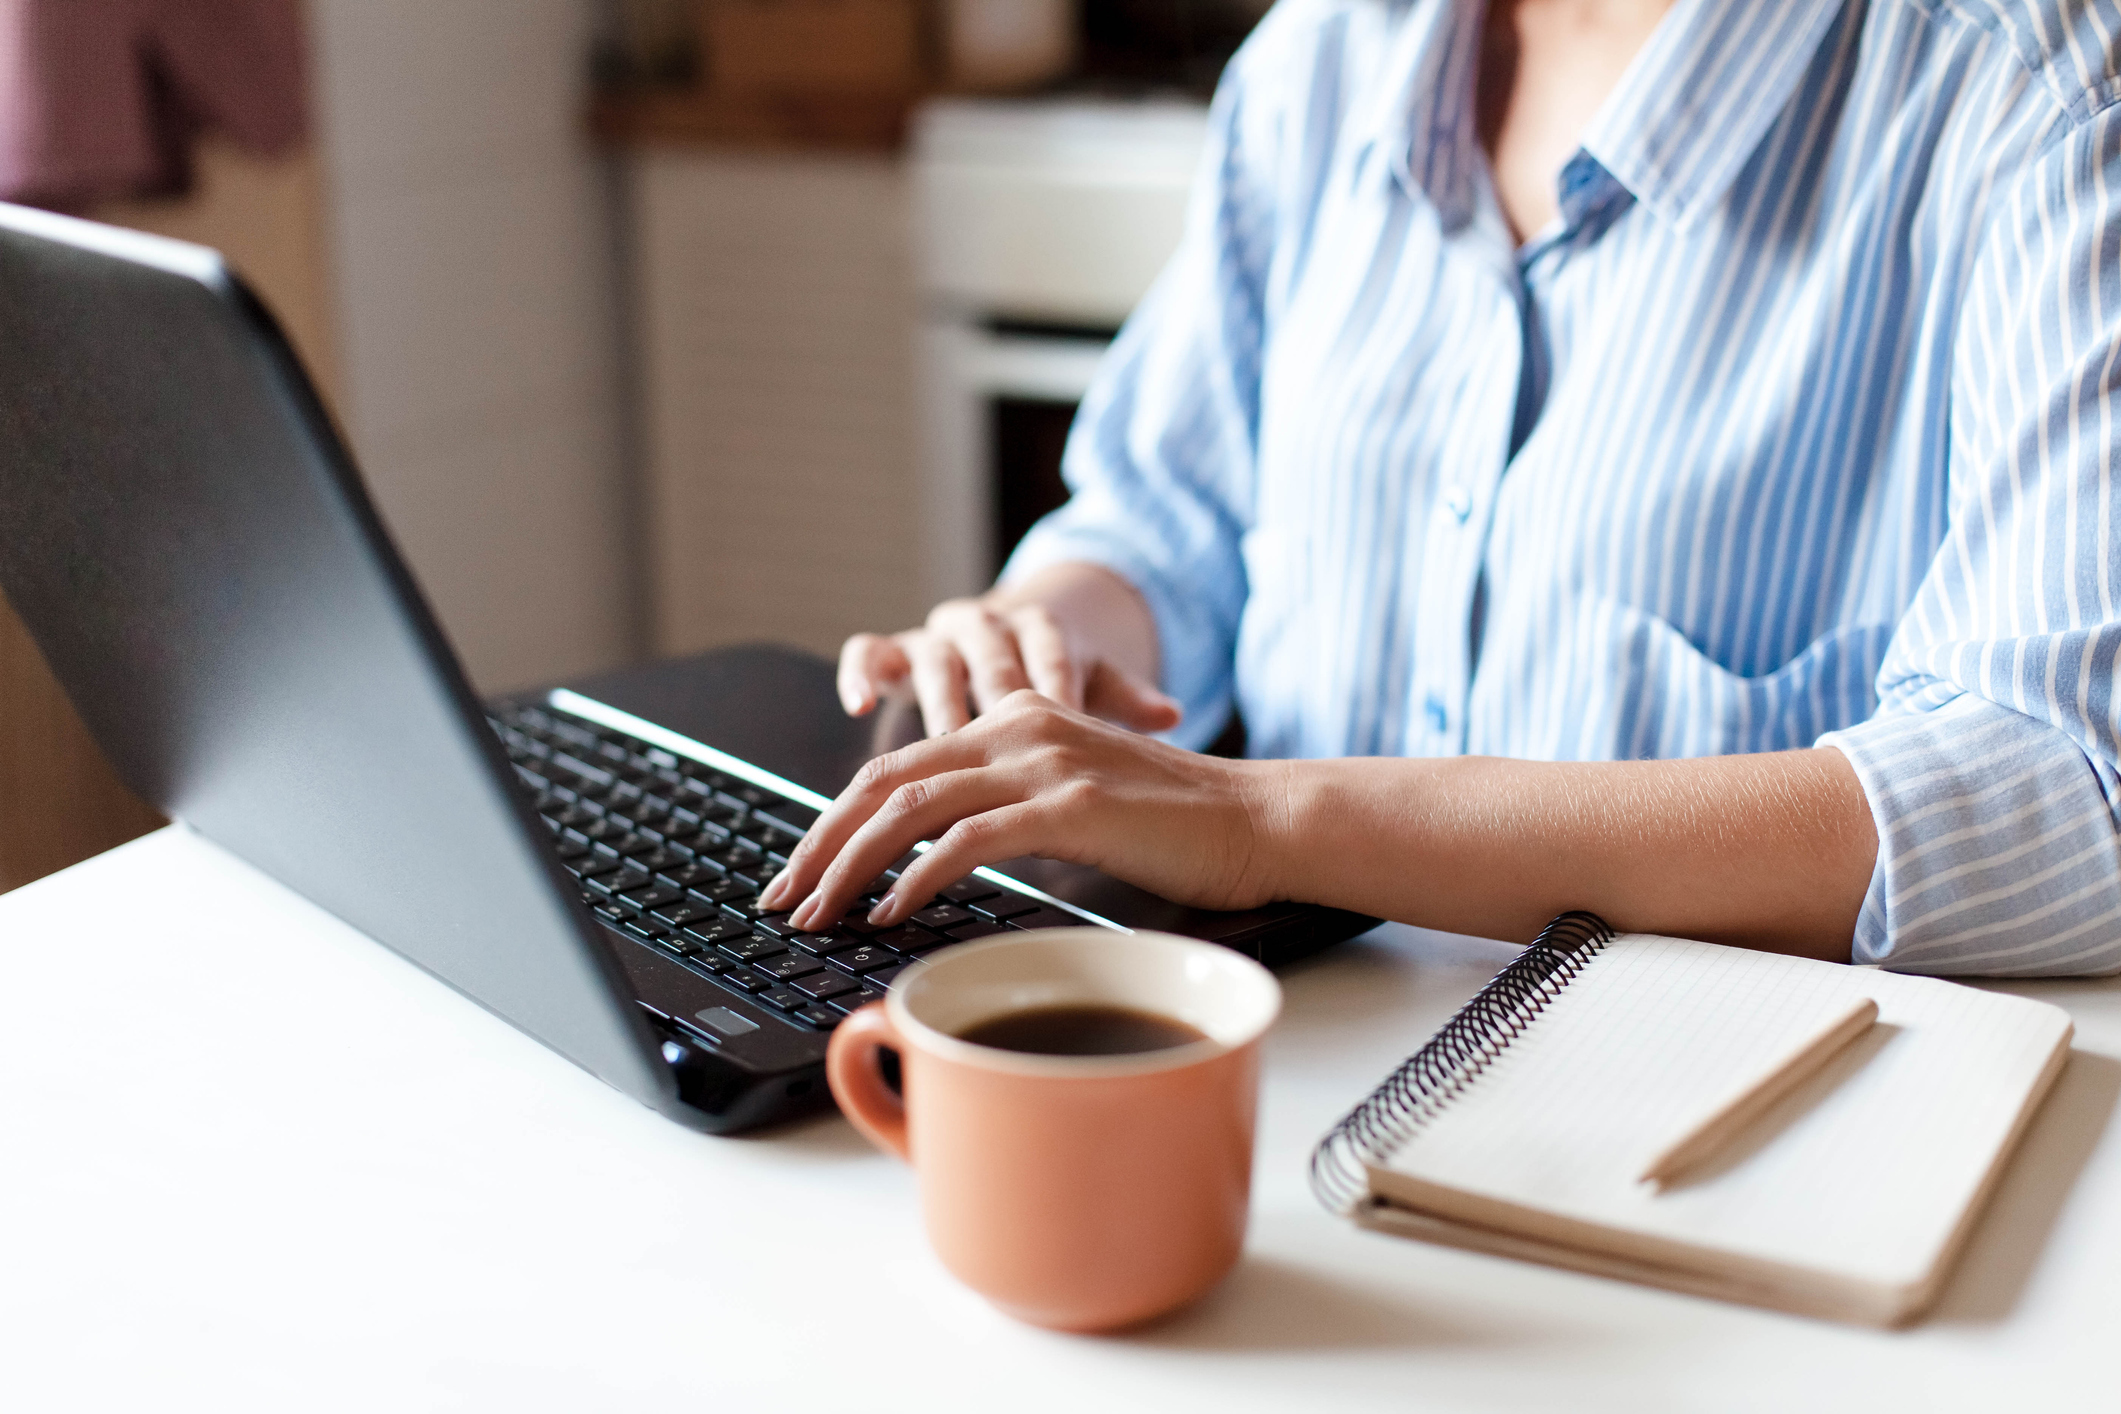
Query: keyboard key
column 570, row 850
column 826, row 985
column 904, row 938
column 589, row 866
column 789, row 816
column 575, row 766
column 969, row 891
column 935, row 944
column 786, row 998
column 648, row 813
column 856, row 920
column 854, row 1001
column 774, row 923
column 941, row 916
column 747, row 909
column 652, row 896
column 744, row 979
column 866, row 958
column 645, row 928
column 655, row 861
column 769, row 839
column 885, row 976
column 686, row 912
column 705, row 840
column 750, row 947
column 686, row 876
column 738, row 854
column 717, row 930
column 979, row 930
column 1001, row 910
column 721, row 891
column 718, row 812
column 819, row 1015
column 678, row 943
column 789, row 965
column 611, row 912
column 817, row 944
column 618, row 881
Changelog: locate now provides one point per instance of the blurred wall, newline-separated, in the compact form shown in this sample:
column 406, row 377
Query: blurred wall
column 471, row 228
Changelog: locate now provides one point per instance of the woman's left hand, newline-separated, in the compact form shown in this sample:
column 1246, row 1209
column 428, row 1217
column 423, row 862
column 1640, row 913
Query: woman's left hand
column 1032, row 777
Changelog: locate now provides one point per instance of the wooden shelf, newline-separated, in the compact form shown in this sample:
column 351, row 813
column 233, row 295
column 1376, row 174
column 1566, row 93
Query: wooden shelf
column 815, row 122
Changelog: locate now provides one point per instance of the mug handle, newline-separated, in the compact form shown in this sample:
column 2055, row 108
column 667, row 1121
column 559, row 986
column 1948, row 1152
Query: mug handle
column 856, row 1076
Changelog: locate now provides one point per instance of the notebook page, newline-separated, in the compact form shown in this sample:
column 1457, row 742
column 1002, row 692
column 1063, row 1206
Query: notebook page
column 1863, row 1172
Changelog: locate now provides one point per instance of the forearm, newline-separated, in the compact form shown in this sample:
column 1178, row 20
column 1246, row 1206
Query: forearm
column 1770, row 851
column 1104, row 617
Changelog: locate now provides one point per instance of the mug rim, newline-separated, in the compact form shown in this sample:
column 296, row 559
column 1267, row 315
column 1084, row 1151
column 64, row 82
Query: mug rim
column 944, row 1046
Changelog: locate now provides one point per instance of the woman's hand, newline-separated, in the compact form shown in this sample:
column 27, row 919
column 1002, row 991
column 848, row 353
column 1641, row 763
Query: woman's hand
column 1077, row 633
column 1034, row 777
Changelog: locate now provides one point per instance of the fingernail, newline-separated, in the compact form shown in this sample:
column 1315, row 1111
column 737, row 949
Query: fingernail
column 883, row 908
column 772, row 892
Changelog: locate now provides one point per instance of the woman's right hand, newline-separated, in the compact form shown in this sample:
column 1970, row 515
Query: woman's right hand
column 1076, row 633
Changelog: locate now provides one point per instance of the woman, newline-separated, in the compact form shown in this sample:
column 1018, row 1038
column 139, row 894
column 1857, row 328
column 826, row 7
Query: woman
column 1643, row 456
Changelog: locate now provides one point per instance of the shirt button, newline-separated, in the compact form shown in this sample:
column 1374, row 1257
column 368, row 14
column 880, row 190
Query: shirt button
column 1459, row 502
column 1439, row 715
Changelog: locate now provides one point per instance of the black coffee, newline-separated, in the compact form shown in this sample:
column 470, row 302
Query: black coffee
column 1082, row 1031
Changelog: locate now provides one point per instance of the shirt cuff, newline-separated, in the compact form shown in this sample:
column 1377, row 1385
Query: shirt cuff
column 1196, row 667
column 1997, row 851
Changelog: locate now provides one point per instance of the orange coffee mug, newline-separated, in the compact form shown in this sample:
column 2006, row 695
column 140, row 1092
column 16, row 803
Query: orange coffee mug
column 1079, row 1192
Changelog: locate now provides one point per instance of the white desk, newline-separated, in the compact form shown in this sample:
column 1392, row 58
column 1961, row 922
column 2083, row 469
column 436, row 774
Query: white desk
column 250, row 1160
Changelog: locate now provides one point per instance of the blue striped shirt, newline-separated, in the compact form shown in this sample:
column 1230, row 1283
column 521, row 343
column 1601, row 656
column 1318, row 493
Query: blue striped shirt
column 1798, row 426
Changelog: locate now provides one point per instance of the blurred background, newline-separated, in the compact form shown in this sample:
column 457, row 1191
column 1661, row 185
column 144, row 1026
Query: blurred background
column 653, row 324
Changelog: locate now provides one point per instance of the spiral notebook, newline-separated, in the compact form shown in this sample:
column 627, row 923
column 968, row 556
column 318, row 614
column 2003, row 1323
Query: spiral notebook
column 1522, row 1127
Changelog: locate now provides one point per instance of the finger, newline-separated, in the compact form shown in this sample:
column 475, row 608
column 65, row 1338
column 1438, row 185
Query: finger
column 870, row 664
column 938, row 681
column 1120, row 697
column 864, row 795
column 916, row 810
column 1045, row 655
column 1003, row 832
column 989, row 650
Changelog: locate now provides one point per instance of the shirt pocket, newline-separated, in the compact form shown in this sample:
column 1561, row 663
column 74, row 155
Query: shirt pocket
column 1660, row 696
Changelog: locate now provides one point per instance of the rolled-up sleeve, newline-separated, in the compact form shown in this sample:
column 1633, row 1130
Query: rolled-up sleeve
column 1162, row 456
column 1991, row 764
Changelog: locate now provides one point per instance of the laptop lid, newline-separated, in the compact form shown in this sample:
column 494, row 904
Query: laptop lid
column 188, row 542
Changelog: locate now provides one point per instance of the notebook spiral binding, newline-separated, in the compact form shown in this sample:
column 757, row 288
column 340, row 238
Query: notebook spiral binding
column 1434, row 1075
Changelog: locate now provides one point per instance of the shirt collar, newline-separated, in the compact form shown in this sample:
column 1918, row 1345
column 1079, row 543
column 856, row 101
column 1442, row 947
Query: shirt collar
column 1422, row 123
column 1695, row 104
column 1684, row 119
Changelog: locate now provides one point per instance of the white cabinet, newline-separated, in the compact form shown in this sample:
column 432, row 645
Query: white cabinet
column 774, row 310
column 821, row 339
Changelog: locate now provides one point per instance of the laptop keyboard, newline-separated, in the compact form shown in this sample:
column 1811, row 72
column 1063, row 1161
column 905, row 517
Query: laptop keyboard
column 672, row 855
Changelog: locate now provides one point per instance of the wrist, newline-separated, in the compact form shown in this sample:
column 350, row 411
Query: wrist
column 1275, row 802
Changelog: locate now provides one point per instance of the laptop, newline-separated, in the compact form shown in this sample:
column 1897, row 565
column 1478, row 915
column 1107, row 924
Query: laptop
column 189, row 543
